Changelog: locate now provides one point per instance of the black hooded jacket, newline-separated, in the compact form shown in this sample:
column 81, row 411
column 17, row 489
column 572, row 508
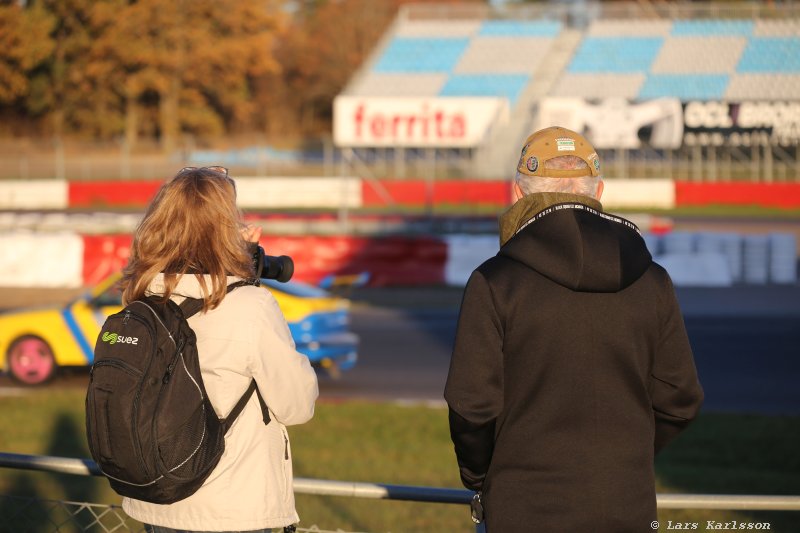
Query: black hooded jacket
column 571, row 368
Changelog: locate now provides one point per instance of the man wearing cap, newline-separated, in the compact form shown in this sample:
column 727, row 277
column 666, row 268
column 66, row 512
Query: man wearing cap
column 571, row 366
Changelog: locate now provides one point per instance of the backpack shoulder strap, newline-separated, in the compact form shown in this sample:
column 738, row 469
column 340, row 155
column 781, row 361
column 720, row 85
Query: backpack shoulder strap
column 191, row 306
column 237, row 409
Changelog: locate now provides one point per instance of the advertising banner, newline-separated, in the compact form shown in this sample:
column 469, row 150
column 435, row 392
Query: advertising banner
column 416, row 122
column 616, row 122
column 668, row 123
column 764, row 123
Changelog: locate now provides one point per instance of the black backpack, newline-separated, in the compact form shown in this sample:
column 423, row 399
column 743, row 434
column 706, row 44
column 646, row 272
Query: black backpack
column 150, row 425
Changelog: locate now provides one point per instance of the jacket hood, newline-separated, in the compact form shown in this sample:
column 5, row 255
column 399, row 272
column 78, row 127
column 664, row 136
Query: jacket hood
column 580, row 248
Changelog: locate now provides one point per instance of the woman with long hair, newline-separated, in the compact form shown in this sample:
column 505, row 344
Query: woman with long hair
column 192, row 242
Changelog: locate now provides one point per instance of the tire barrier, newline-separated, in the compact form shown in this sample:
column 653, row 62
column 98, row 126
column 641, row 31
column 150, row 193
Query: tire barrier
column 723, row 259
column 782, row 258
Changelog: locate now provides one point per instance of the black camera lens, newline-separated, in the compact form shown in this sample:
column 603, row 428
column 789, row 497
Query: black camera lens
column 280, row 268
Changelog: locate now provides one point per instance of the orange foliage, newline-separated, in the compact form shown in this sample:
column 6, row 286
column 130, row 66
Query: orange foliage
column 166, row 68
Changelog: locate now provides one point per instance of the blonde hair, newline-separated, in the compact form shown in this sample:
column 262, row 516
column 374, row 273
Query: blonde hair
column 586, row 185
column 192, row 226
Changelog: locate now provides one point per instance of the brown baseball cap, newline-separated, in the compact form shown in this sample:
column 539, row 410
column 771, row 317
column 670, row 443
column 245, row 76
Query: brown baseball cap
column 553, row 142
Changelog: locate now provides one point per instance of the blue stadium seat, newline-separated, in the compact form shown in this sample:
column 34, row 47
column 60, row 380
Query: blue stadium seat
column 503, row 85
column 771, row 54
column 421, row 55
column 685, row 86
column 513, row 28
column 708, row 28
column 615, row 54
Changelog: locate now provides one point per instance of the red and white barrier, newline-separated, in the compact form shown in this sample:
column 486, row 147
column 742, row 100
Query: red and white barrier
column 354, row 193
column 69, row 260
column 41, row 259
column 33, row 259
column 775, row 195
column 85, row 257
column 639, row 194
column 34, row 195
column 300, row 192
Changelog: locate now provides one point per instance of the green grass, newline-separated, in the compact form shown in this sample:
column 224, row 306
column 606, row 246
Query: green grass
column 386, row 443
column 734, row 454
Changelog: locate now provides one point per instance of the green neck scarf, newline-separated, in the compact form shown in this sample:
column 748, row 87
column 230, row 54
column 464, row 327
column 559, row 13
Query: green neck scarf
column 530, row 204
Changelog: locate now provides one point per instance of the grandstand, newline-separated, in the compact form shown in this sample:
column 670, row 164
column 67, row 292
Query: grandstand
column 636, row 68
column 688, row 59
column 483, row 58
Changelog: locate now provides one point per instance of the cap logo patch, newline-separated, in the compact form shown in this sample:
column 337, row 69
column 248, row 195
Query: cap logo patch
column 532, row 164
column 597, row 165
column 565, row 145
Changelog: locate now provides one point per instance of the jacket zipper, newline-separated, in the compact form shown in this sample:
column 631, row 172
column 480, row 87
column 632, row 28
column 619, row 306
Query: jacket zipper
column 158, row 318
column 116, row 363
column 175, row 359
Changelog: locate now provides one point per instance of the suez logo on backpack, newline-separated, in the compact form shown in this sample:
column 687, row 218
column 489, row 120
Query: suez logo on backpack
column 116, row 338
column 150, row 426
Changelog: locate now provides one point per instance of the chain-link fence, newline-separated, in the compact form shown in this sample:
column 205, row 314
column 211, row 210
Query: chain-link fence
column 28, row 514
column 34, row 515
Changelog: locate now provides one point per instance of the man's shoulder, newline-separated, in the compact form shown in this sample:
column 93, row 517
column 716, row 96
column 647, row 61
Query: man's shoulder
column 495, row 263
column 658, row 273
column 497, row 268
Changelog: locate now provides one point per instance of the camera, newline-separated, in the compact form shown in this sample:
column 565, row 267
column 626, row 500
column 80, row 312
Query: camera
column 280, row 268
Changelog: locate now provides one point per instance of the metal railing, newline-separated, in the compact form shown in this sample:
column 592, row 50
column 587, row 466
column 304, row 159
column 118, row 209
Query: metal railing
column 565, row 12
column 111, row 518
column 757, row 161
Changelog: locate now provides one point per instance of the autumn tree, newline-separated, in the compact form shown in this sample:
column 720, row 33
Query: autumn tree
column 25, row 41
column 195, row 60
column 57, row 84
column 25, row 44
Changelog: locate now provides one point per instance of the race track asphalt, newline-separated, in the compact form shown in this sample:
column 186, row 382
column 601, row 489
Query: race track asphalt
column 746, row 341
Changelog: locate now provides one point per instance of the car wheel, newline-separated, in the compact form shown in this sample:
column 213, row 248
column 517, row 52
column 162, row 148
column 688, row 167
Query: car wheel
column 30, row 361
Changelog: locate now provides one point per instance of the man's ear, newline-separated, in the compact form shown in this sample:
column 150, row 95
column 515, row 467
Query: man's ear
column 599, row 190
column 517, row 192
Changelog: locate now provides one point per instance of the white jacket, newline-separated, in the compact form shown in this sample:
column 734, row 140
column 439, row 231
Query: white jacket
column 245, row 337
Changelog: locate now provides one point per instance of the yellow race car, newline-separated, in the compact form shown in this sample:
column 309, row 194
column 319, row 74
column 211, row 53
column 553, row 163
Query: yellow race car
column 36, row 343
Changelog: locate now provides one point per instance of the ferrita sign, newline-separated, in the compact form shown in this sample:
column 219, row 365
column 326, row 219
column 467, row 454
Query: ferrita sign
column 416, row 122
